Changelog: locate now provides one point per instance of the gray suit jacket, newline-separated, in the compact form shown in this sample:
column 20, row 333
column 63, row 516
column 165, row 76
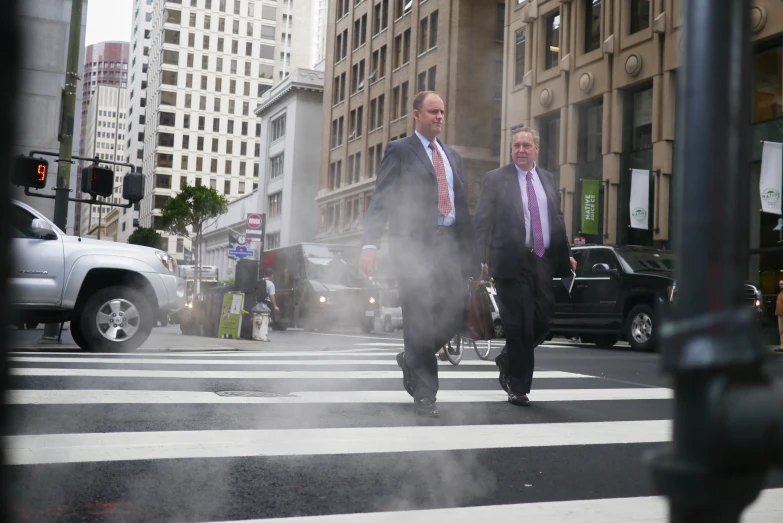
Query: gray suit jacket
column 500, row 224
column 406, row 196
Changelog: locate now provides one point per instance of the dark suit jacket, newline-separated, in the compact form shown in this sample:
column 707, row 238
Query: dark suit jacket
column 500, row 225
column 406, row 195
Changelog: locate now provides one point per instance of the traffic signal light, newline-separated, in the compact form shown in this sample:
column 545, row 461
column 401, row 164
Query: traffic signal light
column 98, row 181
column 30, row 172
column 133, row 187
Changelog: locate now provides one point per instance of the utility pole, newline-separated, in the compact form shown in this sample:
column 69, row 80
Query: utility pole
column 728, row 411
column 65, row 136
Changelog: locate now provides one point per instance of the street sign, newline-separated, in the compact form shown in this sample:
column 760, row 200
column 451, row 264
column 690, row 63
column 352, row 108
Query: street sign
column 255, row 226
column 241, row 252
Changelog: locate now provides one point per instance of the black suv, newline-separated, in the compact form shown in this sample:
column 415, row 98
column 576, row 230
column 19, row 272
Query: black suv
column 619, row 293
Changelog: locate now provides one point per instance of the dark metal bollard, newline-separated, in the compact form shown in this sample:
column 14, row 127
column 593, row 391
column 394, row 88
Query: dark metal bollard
column 728, row 415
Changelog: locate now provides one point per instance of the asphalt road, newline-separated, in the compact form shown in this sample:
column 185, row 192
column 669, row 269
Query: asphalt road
column 311, row 425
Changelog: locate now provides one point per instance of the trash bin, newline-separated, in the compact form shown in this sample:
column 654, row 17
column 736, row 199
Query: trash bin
column 260, row 315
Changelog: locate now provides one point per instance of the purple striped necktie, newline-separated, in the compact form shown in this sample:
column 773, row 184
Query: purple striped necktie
column 535, row 217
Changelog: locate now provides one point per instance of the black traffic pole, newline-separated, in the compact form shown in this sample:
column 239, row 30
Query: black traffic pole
column 728, row 415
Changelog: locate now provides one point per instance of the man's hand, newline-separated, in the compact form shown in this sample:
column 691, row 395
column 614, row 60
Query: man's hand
column 573, row 264
column 277, row 309
column 368, row 261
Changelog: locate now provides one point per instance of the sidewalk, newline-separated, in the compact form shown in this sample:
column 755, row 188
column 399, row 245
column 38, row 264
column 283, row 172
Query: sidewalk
column 162, row 339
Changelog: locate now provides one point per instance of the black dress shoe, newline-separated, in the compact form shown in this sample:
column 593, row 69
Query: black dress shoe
column 426, row 407
column 407, row 382
column 520, row 400
column 503, row 377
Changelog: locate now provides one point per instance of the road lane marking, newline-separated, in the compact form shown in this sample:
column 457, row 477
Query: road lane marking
column 159, row 361
column 279, row 374
column 94, row 397
column 291, row 354
column 125, row 446
column 767, row 508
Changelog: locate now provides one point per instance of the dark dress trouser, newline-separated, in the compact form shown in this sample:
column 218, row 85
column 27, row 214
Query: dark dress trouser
column 527, row 307
column 432, row 295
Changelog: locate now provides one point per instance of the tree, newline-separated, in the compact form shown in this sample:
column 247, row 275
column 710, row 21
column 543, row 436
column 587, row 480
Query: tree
column 146, row 236
column 186, row 214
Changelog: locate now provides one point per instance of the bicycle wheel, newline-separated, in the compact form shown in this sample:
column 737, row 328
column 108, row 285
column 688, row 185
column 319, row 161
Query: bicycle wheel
column 482, row 350
column 453, row 350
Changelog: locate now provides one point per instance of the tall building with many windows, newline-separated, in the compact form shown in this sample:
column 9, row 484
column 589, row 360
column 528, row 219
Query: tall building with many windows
column 104, row 138
column 598, row 79
column 209, row 63
column 136, row 104
column 105, row 63
column 381, row 53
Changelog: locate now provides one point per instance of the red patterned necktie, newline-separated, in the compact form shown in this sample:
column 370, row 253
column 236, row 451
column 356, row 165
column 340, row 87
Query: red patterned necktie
column 444, row 203
column 535, row 217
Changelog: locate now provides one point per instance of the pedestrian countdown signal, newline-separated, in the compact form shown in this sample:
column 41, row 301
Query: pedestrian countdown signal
column 97, row 181
column 31, row 172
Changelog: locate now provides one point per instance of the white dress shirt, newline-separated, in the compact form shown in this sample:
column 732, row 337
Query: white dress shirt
column 543, row 209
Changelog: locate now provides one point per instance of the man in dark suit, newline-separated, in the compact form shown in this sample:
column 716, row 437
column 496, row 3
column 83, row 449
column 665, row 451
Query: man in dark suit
column 519, row 224
column 421, row 192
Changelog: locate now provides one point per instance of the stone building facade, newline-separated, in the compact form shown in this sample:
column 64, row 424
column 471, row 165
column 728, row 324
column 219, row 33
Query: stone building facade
column 598, row 79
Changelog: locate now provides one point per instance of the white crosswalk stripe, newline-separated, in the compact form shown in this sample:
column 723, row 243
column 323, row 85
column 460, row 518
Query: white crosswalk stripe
column 198, row 409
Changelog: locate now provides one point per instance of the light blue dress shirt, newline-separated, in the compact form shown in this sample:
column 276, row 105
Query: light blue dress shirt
column 442, row 220
column 543, row 207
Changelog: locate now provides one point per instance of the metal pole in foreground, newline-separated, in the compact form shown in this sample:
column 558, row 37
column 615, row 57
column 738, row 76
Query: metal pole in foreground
column 728, row 417
column 51, row 330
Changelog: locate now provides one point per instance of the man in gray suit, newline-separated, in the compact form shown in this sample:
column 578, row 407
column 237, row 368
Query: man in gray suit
column 421, row 193
column 519, row 223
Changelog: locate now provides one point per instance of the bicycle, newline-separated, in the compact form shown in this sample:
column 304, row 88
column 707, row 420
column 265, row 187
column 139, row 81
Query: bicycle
column 454, row 348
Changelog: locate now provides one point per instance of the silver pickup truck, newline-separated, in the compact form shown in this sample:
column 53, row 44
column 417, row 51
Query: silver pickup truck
column 112, row 293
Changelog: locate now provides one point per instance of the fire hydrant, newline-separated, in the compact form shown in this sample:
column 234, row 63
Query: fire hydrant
column 260, row 322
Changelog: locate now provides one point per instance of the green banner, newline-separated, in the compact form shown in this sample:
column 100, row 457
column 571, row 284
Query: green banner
column 231, row 315
column 590, row 191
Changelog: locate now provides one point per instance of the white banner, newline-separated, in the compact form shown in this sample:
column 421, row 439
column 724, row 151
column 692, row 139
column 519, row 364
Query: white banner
column 640, row 199
column 771, row 177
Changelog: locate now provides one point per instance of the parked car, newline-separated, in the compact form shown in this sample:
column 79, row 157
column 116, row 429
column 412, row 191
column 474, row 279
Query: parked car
column 620, row 293
column 111, row 293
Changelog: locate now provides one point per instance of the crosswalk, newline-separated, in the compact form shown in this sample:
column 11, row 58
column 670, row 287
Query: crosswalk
column 326, row 437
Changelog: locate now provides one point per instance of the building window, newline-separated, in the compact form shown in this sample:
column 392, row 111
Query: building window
column 550, row 144
column 768, row 84
column 640, row 15
column 380, row 17
column 433, row 71
column 337, row 132
column 422, row 82
column 592, row 25
column 406, row 47
column 275, row 205
column 276, row 166
column 378, row 64
column 552, row 43
column 278, row 128
column 360, row 32
column 500, row 22
column 433, row 29
column 590, row 132
column 266, row 51
column 357, row 77
column 272, row 241
column 395, row 107
column 424, row 34
column 519, row 58
column 339, row 89
column 404, row 99
column 641, row 124
column 268, row 12
column 342, row 8
column 403, row 7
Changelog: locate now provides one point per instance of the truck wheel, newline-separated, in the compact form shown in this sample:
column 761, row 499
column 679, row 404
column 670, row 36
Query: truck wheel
column 640, row 328
column 116, row 319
